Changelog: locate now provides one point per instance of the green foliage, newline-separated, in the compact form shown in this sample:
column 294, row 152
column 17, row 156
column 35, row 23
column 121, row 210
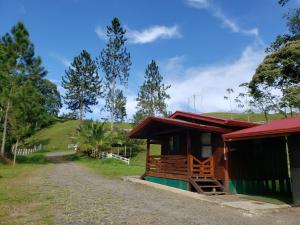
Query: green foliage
column 279, row 71
column 152, row 96
column 28, row 102
column 115, row 61
column 92, row 136
column 82, row 84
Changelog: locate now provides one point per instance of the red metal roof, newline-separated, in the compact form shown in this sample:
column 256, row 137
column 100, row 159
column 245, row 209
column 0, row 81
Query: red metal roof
column 213, row 119
column 275, row 128
column 134, row 133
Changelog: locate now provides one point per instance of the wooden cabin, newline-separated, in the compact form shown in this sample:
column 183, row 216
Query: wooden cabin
column 192, row 154
column 265, row 160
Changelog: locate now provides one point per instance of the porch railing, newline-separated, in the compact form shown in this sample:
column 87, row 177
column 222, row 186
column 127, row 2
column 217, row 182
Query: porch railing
column 170, row 164
column 204, row 169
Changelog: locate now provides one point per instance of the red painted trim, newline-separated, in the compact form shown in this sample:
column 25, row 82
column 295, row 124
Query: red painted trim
column 176, row 122
column 213, row 119
column 273, row 129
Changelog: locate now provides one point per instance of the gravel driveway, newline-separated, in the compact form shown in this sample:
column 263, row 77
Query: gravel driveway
column 82, row 197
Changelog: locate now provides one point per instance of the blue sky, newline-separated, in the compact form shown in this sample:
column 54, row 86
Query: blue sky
column 202, row 46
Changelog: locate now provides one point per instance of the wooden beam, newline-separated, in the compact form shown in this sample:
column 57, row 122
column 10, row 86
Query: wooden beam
column 147, row 153
column 226, row 171
column 188, row 150
column 153, row 134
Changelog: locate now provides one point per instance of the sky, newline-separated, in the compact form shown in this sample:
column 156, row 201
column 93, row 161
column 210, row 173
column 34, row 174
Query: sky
column 202, row 47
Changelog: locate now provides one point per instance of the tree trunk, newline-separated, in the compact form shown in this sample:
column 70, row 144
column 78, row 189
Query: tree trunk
column 15, row 151
column 291, row 111
column 81, row 109
column 112, row 113
column 5, row 128
column 266, row 116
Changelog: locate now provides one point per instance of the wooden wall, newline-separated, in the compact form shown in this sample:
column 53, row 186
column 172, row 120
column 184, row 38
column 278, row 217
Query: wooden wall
column 260, row 163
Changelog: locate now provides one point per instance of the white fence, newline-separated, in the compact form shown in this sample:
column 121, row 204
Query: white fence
column 74, row 146
column 27, row 151
column 111, row 155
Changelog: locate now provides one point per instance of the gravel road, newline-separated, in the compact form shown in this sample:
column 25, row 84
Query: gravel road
column 83, row 197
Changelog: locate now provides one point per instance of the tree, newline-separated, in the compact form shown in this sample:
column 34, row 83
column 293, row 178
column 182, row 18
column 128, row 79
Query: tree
column 82, row 84
column 279, row 71
column 18, row 64
column 152, row 96
column 93, row 136
column 228, row 98
column 115, row 62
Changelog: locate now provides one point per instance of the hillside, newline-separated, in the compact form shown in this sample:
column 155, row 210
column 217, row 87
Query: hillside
column 256, row 117
column 56, row 137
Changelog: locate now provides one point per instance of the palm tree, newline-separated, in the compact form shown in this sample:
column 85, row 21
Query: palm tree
column 93, row 134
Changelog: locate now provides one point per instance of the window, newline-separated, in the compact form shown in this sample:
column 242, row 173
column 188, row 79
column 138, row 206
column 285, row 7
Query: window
column 174, row 144
column 206, row 148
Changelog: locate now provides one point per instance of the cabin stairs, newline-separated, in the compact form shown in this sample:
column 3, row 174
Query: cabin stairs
column 207, row 185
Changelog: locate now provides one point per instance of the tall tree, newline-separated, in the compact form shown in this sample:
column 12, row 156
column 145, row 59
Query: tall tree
column 152, row 95
column 82, row 84
column 18, row 65
column 280, row 69
column 115, row 61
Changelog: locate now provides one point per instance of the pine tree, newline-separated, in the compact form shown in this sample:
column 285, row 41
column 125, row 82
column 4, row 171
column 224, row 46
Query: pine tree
column 115, row 62
column 82, row 84
column 152, row 96
column 19, row 65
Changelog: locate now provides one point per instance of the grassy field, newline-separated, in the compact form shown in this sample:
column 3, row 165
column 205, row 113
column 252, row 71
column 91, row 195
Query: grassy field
column 20, row 201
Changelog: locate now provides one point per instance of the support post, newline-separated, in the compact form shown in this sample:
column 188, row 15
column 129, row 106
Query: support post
column 147, row 153
column 226, row 171
column 188, row 155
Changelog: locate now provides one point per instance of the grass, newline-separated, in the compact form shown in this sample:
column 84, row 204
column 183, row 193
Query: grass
column 256, row 117
column 56, row 137
column 110, row 168
column 19, row 197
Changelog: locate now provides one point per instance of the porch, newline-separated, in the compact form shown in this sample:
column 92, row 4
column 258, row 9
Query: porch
column 190, row 168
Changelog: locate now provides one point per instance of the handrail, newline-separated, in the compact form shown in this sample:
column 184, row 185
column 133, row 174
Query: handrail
column 203, row 168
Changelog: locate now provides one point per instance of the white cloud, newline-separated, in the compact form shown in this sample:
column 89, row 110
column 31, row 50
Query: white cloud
column 200, row 4
column 145, row 36
column 226, row 21
column 101, row 33
column 153, row 33
column 131, row 105
column 209, row 84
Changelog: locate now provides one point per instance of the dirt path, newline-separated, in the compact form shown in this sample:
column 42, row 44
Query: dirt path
column 82, row 197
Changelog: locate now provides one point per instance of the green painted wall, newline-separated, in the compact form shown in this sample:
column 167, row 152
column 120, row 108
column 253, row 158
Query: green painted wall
column 168, row 182
column 259, row 186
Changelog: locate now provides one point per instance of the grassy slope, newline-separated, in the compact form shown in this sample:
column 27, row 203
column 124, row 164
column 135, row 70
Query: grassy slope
column 56, row 137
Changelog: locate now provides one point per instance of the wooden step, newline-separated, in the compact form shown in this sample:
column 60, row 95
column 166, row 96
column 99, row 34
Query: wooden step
column 214, row 193
column 209, row 186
